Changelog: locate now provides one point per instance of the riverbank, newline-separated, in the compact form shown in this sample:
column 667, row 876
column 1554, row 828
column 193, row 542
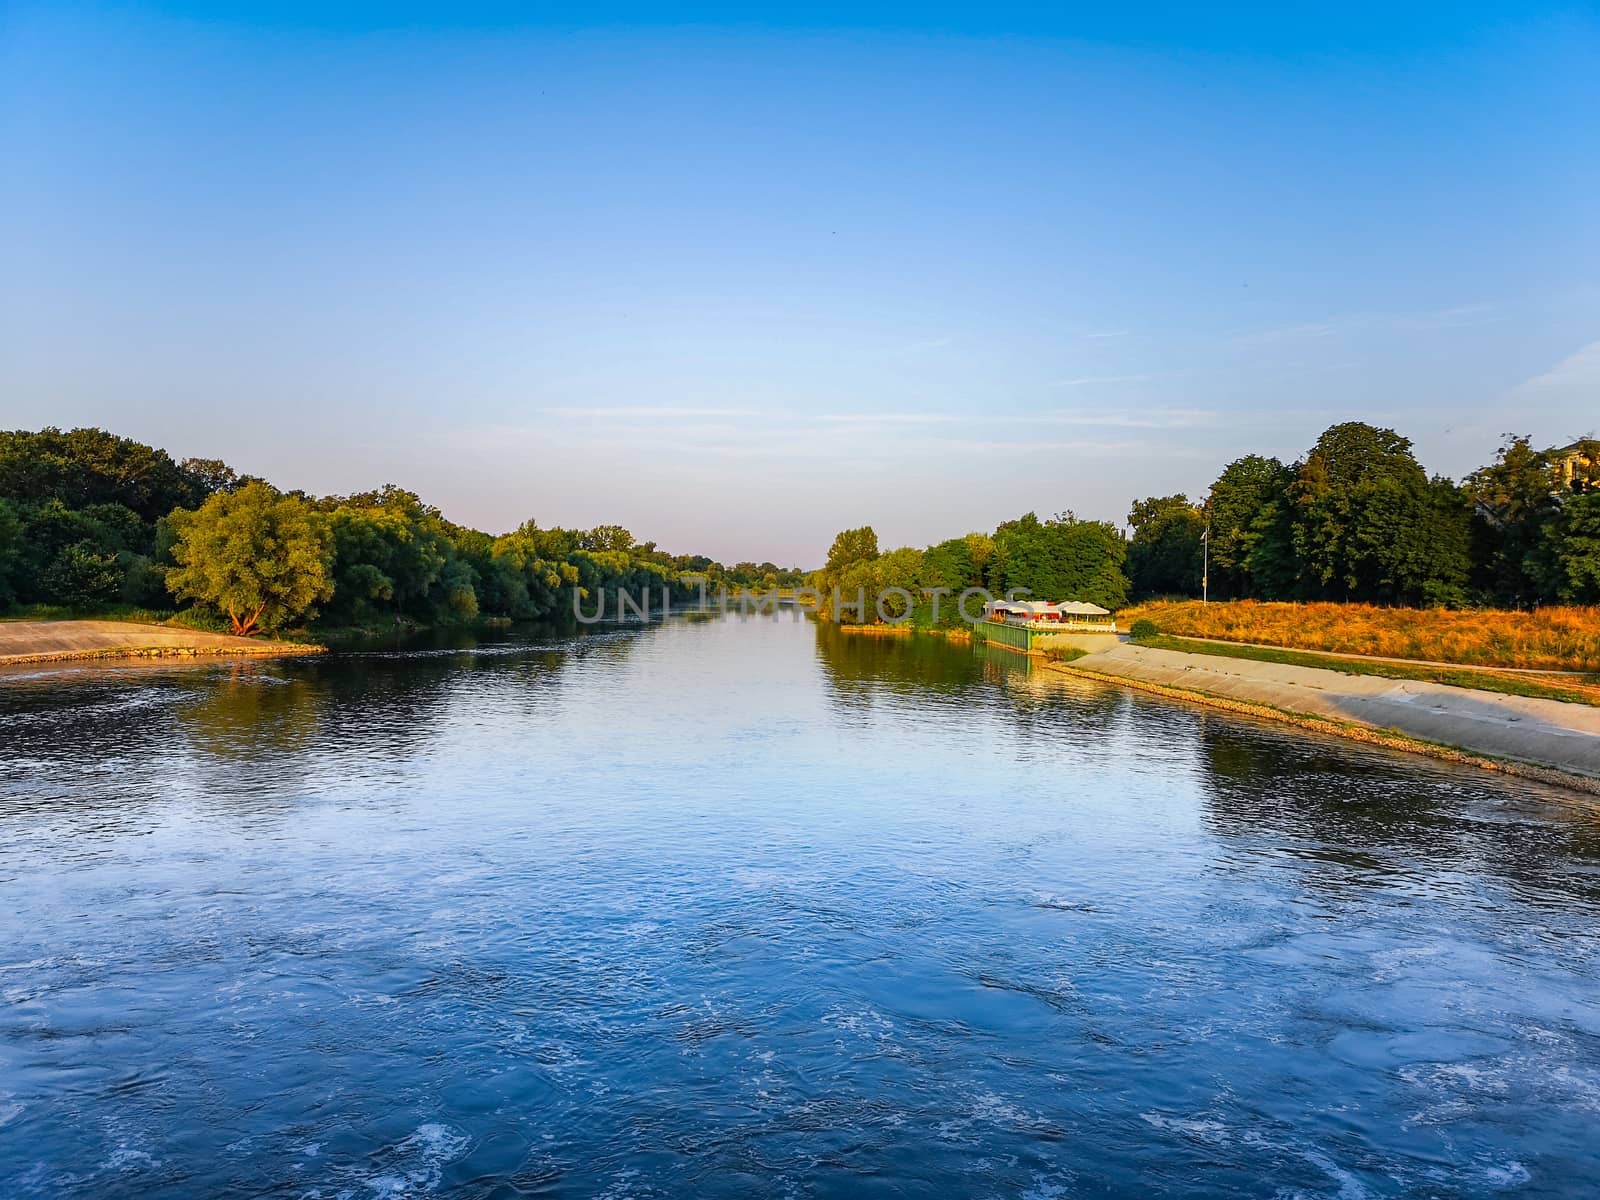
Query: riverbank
column 71, row 641
column 1540, row 738
column 1568, row 687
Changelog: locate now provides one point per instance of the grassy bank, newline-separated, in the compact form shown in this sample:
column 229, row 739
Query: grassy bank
column 1556, row 639
column 1578, row 690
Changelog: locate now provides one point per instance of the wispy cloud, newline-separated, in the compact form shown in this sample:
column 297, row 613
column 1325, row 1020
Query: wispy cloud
column 1108, row 333
column 1577, row 370
column 1093, row 380
column 1176, row 418
column 922, row 347
column 1559, row 404
column 891, row 418
column 661, row 412
column 1459, row 316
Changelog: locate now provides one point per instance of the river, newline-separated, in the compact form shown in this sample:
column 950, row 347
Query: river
column 736, row 907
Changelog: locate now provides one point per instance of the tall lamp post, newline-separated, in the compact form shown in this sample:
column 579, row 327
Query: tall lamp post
column 1205, row 565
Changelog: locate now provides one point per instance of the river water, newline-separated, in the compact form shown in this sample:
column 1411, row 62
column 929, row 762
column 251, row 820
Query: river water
column 747, row 907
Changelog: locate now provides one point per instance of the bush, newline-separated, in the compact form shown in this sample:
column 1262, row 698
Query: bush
column 82, row 578
column 1144, row 628
column 144, row 584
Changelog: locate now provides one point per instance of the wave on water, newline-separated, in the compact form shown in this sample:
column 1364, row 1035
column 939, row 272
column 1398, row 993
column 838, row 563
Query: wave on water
column 415, row 1166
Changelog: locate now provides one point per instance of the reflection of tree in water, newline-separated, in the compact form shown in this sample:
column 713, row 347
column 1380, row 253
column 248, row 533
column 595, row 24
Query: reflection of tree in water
column 1359, row 817
column 114, row 738
column 953, row 680
column 858, row 666
column 251, row 710
column 392, row 704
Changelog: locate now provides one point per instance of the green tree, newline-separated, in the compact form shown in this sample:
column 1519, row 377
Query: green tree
column 850, row 547
column 1271, row 568
column 1061, row 559
column 1247, row 491
column 212, row 475
column 848, row 569
column 1575, row 549
column 1368, row 524
column 1514, row 508
column 81, row 577
column 255, row 554
column 903, row 569
column 531, row 568
column 10, row 552
column 90, row 466
column 1165, row 555
column 607, row 538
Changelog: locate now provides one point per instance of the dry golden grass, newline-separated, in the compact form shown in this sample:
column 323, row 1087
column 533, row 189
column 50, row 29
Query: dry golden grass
column 1559, row 639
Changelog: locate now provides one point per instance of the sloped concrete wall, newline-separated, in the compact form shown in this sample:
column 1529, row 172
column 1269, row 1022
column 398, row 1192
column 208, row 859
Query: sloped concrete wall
column 1543, row 732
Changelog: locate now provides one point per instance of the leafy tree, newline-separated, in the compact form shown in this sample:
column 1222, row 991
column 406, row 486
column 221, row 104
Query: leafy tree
column 1240, row 511
column 1369, row 525
column 903, row 569
column 1165, row 555
column 1515, row 505
column 144, row 581
column 531, row 568
column 212, row 475
column 81, row 577
column 606, row 538
column 1270, row 568
column 850, row 547
column 958, row 563
column 257, row 555
column 849, row 570
column 10, row 552
column 1061, row 559
column 90, row 466
column 1576, row 549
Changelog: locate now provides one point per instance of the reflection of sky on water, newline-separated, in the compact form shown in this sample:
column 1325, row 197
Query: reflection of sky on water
column 734, row 906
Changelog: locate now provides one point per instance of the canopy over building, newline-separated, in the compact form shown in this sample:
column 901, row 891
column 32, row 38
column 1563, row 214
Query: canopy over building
column 1046, row 611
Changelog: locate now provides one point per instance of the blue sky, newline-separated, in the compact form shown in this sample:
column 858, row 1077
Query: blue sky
column 739, row 283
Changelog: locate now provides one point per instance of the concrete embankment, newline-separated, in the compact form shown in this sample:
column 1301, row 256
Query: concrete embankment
column 1516, row 729
column 65, row 641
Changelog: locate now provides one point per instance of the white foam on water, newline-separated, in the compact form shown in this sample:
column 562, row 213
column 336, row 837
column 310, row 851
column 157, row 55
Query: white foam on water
column 1504, row 1175
column 10, row 1110
column 623, row 1187
column 423, row 1157
column 1350, row 1188
column 33, row 965
column 1200, row 1128
column 125, row 1157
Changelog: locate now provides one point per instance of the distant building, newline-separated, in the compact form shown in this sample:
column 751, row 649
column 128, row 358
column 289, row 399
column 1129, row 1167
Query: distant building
column 1574, row 465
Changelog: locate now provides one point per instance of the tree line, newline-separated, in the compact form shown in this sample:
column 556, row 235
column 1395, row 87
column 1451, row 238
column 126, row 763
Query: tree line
column 1358, row 518
column 1062, row 557
column 90, row 521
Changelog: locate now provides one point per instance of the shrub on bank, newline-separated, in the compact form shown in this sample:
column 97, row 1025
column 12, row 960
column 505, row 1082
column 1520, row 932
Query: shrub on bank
column 1144, row 628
